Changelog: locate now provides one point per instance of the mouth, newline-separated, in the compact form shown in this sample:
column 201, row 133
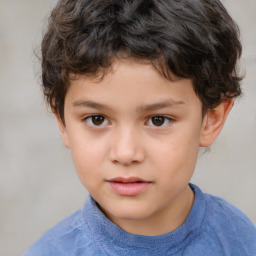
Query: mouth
column 131, row 186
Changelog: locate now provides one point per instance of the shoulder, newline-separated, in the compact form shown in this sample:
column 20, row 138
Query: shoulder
column 62, row 238
column 227, row 226
column 220, row 211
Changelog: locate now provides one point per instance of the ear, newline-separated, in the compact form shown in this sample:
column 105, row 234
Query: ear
column 213, row 122
column 63, row 130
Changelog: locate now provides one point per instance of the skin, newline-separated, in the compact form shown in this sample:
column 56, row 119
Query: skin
column 128, row 141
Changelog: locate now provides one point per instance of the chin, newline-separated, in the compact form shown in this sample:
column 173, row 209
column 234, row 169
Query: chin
column 129, row 212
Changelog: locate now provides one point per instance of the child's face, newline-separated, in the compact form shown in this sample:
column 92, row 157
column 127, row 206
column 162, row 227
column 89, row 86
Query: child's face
column 134, row 138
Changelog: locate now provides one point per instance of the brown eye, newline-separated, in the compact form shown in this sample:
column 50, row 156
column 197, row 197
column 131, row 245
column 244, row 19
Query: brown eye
column 96, row 120
column 159, row 121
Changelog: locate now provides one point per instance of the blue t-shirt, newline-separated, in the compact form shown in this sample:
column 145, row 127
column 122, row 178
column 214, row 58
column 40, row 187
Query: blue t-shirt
column 213, row 228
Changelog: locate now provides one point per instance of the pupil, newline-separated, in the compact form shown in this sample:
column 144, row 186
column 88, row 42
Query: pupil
column 97, row 120
column 158, row 120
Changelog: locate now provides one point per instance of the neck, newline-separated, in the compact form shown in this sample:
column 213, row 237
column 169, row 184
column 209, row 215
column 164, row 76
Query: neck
column 163, row 222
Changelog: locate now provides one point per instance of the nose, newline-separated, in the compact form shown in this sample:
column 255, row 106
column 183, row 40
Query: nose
column 127, row 147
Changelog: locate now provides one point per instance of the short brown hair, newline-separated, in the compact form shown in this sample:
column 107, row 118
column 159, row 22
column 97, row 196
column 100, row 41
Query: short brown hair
column 194, row 39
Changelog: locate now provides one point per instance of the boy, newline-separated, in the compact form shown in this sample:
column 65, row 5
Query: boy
column 137, row 87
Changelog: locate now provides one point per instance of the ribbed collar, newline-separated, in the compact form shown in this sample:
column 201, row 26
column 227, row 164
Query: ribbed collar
column 112, row 238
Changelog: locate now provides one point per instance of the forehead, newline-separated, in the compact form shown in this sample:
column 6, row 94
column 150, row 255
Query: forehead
column 132, row 83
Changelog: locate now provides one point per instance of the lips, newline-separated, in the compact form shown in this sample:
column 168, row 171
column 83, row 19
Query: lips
column 131, row 186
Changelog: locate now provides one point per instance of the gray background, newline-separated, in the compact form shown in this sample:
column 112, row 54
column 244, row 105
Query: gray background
column 38, row 184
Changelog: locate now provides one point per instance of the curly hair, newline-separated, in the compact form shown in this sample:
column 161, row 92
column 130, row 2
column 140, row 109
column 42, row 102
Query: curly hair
column 195, row 39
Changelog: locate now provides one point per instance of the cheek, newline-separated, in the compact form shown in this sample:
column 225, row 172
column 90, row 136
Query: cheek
column 88, row 157
column 177, row 154
column 86, row 148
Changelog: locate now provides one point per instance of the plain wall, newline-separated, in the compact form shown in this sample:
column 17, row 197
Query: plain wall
column 38, row 184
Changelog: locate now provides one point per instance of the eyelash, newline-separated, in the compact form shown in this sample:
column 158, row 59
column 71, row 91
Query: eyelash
column 165, row 119
column 89, row 120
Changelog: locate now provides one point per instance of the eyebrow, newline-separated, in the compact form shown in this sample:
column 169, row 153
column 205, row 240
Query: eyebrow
column 144, row 108
column 160, row 105
column 89, row 104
